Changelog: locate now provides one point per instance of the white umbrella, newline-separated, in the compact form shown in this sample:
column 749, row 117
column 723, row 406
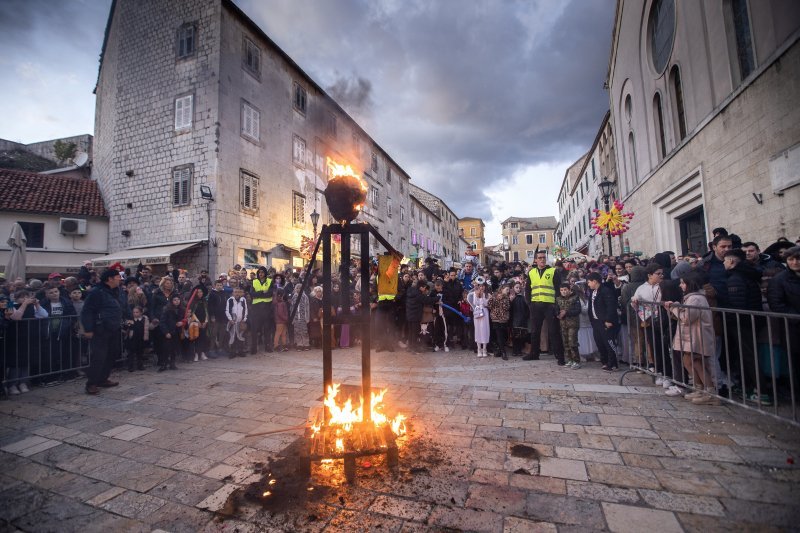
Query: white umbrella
column 16, row 262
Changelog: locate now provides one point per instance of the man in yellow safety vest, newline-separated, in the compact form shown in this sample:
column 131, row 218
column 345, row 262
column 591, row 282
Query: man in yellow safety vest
column 261, row 320
column 543, row 283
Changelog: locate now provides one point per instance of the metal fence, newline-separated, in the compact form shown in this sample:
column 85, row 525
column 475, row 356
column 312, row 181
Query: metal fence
column 745, row 357
column 43, row 350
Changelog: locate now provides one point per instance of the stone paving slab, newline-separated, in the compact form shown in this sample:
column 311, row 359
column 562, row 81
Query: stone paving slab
column 170, row 452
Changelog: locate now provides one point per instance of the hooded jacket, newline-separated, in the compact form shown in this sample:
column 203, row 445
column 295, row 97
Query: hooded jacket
column 783, row 293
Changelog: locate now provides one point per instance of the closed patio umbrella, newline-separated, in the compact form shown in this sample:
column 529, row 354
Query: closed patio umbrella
column 16, row 261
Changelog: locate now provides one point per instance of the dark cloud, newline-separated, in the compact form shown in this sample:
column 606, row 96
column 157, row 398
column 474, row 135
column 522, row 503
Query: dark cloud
column 465, row 94
column 354, row 94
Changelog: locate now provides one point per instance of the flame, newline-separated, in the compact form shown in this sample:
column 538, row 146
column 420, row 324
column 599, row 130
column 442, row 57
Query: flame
column 339, row 171
column 345, row 415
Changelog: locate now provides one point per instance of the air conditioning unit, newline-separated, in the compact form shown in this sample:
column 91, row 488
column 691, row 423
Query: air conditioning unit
column 72, row 226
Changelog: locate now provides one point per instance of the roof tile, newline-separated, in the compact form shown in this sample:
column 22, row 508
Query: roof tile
column 36, row 193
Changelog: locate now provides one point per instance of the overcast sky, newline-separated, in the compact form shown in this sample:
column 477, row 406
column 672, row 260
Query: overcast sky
column 485, row 103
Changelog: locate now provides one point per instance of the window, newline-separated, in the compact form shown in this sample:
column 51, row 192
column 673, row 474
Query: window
column 661, row 32
column 374, row 162
column 516, row 256
column 34, row 234
column 632, row 158
column 740, row 39
column 659, row 118
column 403, row 245
column 374, row 195
column 474, row 245
column 473, row 232
column 528, row 239
column 251, row 121
column 251, row 257
column 388, row 207
column 332, row 125
column 181, row 185
column 514, row 225
column 628, row 108
column 402, row 214
column 514, row 239
column 186, row 41
column 543, row 238
column 183, row 112
column 251, row 61
column 530, row 253
column 427, row 221
column 300, row 96
column 298, row 209
column 298, row 150
column 248, row 196
column 402, row 187
column 388, row 174
column 677, row 95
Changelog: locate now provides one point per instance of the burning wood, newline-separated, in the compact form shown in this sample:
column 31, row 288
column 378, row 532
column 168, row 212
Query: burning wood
column 346, row 192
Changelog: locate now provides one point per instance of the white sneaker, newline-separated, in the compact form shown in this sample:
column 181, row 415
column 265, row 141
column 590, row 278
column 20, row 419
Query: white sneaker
column 435, row 348
column 674, row 391
column 203, row 357
column 446, row 349
column 12, row 390
column 659, row 381
column 23, row 388
column 576, row 366
column 196, row 358
column 402, row 344
column 667, row 383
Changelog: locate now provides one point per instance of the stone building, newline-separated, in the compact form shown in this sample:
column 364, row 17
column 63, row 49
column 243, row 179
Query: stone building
column 580, row 194
column 521, row 237
column 211, row 143
column 705, row 111
column 472, row 230
column 576, row 201
column 446, row 231
column 425, row 241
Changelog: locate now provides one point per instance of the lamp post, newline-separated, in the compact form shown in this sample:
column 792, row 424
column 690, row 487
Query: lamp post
column 208, row 196
column 605, row 190
column 314, row 221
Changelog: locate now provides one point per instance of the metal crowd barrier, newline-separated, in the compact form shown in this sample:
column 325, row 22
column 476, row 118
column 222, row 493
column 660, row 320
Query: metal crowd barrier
column 753, row 361
column 44, row 350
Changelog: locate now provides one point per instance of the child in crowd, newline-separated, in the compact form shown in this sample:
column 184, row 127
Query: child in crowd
column 499, row 313
column 569, row 311
column 236, row 313
column 519, row 320
column 439, row 333
column 281, row 311
column 467, row 332
column 171, row 324
column 478, row 300
column 138, row 335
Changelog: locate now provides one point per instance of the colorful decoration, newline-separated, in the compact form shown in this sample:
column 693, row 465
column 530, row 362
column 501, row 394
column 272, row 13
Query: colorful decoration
column 559, row 251
column 612, row 222
column 307, row 247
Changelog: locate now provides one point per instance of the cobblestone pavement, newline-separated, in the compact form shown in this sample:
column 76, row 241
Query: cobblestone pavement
column 495, row 446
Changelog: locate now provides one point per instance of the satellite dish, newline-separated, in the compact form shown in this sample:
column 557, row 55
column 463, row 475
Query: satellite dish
column 81, row 159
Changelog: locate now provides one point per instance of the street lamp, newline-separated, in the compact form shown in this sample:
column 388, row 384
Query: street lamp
column 314, row 221
column 605, row 190
column 206, row 194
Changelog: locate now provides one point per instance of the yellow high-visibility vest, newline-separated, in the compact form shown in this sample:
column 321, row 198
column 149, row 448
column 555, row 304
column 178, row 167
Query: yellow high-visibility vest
column 259, row 286
column 542, row 289
column 383, row 297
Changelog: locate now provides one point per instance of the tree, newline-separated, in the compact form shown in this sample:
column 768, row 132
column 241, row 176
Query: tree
column 64, row 151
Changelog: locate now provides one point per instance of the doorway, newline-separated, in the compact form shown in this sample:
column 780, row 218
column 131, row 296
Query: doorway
column 693, row 232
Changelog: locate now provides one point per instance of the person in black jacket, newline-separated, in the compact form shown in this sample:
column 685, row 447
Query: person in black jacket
column 519, row 319
column 58, row 333
column 416, row 298
column 101, row 317
column 744, row 293
column 605, row 320
column 783, row 296
column 452, row 294
column 171, row 324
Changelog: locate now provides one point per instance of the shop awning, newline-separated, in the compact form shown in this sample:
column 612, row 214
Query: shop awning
column 148, row 255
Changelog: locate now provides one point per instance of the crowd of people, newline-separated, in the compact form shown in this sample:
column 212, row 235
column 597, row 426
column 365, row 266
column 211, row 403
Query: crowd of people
column 653, row 314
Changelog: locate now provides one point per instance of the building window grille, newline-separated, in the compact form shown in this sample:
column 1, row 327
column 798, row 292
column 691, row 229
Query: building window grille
column 186, row 40
column 298, row 150
column 183, row 112
column 251, row 121
column 248, row 196
column 300, row 98
column 252, row 57
column 181, row 185
column 298, row 209
column 374, row 194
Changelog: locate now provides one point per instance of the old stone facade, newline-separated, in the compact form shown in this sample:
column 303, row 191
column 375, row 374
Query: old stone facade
column 446, row 232
column 704, row 106
column 193, row 94
column 472, row 230
column 425, row 242
column 522, row 236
